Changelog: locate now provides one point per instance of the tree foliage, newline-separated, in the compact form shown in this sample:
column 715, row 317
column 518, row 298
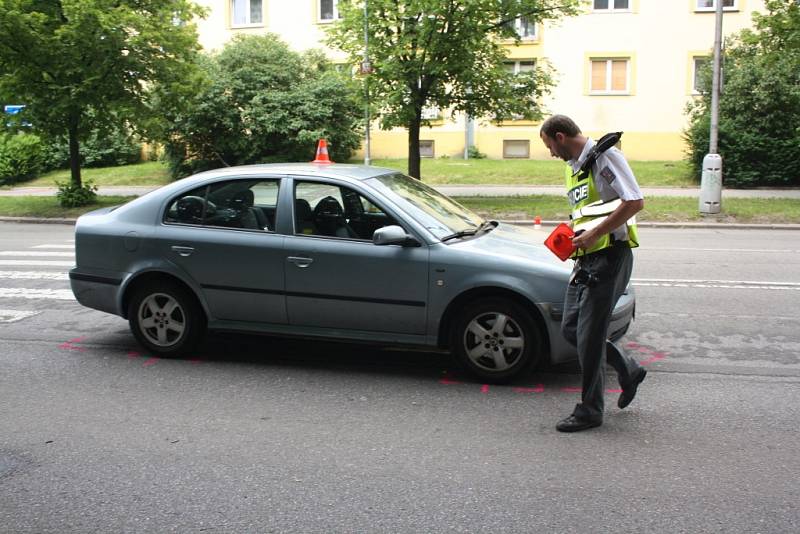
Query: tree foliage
column 759, row 111
column 63, row 58
column 444, row 53
column 260, row 102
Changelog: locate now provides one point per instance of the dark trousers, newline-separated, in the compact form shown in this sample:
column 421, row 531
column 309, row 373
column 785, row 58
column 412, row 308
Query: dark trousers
column 588, row 305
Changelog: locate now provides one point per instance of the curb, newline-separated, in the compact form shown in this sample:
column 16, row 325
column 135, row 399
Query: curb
column 38, row 220
column 641, row 224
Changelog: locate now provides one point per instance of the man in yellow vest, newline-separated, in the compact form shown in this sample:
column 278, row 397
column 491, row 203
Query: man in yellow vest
column 604, row 198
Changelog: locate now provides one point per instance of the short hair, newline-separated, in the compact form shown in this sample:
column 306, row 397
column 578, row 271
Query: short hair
column 560, row 123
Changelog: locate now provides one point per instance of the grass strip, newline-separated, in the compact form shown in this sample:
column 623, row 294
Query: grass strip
column 148, row 173
column 434, row 172
column 532, row 172
column 48, row 207
column 656, row 209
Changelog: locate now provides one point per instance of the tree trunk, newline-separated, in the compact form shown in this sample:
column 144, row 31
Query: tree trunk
column 413, row 146
column 74, row 152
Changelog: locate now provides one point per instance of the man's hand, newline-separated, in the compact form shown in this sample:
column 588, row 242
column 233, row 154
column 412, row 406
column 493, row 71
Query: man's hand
column 585, row 240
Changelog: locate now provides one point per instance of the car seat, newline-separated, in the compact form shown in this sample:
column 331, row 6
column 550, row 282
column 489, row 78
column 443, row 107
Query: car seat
column 249, row 216
column 329, row 219
column 303, row 217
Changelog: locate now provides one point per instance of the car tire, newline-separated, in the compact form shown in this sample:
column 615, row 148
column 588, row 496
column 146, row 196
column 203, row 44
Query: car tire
column 495, row 352
column 166, row 319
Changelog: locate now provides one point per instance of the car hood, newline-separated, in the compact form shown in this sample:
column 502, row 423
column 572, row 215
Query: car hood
column 513, row 241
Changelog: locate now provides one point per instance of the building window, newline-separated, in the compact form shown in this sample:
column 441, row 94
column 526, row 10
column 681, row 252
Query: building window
column 426, row 149
column 611, row 5
column 698, row 64
column 610, row 76
column 328, row 10
column 525, row 28
column 516, row 148
column 519, row 67
column 247, row 12
column 523, row 65
column 711, row 5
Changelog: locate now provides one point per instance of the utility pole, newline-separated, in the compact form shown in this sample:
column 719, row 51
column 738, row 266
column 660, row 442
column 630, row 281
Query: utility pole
column 366, row 69
column 711, row 179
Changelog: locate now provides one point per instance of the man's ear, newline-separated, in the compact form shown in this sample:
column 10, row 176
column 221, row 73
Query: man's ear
column 560, row 137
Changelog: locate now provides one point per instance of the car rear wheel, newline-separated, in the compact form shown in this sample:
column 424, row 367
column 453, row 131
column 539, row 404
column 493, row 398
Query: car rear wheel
column 495, row 339
column 166, row 319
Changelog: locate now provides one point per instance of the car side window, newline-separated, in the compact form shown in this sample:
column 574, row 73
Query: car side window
column 336, row 211
column 241, row 204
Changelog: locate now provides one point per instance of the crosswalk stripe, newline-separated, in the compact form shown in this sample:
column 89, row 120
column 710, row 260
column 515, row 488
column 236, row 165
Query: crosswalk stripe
column 33, row 275
column 23, row 293
column 10, row 316
column 70, row 247
column 38, row 263
column 34, row 253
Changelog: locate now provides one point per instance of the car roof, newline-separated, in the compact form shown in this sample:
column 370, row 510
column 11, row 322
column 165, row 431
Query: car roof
column 329, row 170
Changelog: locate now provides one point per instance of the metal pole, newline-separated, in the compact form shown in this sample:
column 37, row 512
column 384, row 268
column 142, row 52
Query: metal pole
column 712, row 148
column 366, row 68
column 711, row 178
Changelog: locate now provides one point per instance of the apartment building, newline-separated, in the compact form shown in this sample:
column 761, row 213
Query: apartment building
column 625, row 65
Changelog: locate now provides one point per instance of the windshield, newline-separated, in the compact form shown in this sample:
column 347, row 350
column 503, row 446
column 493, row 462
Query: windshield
column 440, row 214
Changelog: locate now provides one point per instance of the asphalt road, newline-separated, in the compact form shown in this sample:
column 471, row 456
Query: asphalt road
column 257, row 434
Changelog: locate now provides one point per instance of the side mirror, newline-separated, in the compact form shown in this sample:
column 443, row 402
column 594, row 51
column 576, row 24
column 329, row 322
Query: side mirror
column 393, row 235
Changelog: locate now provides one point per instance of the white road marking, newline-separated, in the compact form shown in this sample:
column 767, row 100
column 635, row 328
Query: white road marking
column 10, row 316
column 33, row 275
column 30, row 253
column 70, row 247
column 721, row 284
column 735, row 282
column 754, row 250
column 38, row 263
column 46, row 294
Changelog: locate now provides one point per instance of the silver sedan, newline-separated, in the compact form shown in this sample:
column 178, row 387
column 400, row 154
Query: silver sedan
column 326, row 251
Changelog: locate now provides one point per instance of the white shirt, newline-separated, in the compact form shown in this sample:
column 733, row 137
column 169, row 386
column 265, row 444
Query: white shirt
column 613, row 178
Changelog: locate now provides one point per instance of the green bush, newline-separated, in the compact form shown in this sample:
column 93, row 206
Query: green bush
column 474, row 153
column 109, row 147
column 71, row 196
column 22, row 157
column 260, row 102
column 759, row 110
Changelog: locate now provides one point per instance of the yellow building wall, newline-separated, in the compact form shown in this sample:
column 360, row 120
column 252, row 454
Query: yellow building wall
column 659, row 36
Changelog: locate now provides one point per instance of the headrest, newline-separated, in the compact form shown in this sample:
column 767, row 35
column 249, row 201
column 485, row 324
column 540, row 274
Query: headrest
column 302, row 209
column 243, row 199
column 329, row 206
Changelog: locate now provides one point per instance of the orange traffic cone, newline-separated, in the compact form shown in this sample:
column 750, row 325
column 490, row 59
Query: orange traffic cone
column 322, row 152
column 537, row 222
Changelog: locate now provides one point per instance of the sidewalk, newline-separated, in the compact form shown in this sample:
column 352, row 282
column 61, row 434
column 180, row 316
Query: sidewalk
column 462, row 191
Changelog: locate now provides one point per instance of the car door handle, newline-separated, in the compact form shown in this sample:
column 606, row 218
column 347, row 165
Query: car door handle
column 300, row 261
column 183, row 251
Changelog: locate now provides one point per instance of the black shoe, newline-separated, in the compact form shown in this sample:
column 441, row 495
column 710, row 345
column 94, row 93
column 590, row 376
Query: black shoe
column 629, row 391
column 576, row 424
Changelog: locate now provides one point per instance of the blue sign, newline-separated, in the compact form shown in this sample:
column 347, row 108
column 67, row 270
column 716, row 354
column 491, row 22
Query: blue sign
column 13, row 109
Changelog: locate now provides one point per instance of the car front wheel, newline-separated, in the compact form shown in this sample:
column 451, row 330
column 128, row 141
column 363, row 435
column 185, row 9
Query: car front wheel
column 495, row 339
column 166, row 319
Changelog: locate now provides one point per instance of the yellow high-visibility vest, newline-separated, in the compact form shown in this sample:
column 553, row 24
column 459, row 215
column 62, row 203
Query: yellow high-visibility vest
column 589, row 210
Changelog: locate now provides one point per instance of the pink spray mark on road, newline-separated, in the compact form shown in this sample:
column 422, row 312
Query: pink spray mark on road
column 133, row 354
column 68, row 345
column 571, row 390
column 485, row 388
column 538, row 388
column 447, row 380
column 150, row 361
column 655, row 355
